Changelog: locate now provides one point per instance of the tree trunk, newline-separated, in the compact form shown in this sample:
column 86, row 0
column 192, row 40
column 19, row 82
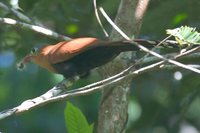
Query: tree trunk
column 113, row 115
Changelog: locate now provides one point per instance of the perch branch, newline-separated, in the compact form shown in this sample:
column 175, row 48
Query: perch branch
column 39, row 101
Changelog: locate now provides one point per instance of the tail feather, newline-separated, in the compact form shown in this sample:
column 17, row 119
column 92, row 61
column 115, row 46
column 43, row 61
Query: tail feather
column 122, row 46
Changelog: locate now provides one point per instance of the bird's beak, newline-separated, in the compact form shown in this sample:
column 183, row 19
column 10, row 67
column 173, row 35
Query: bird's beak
column 24, row 61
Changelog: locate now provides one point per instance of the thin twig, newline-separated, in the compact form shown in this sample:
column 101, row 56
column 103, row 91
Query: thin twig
column 30, row 22
column 188, row 52
column 35, row 28
column 168, row 60
column 98, row 19
column 147, row 54
column 113, row 24
column 17, row 13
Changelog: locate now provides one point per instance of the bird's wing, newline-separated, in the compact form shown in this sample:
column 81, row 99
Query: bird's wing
column 67, row 49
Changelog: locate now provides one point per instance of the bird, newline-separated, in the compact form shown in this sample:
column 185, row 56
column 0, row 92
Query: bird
column 77, row 57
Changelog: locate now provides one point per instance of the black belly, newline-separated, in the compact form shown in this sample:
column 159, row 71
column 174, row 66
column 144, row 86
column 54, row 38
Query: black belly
column 81, row 64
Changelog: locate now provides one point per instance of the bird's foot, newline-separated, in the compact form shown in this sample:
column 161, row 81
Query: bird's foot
column 67, row 83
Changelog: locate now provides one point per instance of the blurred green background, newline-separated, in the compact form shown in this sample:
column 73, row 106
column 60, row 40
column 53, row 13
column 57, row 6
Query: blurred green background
column 159, row 102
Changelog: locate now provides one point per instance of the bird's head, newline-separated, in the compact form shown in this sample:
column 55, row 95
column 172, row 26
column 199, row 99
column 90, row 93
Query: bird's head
column 39, row 56
column 33, row 53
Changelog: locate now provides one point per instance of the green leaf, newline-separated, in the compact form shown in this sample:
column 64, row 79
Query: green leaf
column 72, row 29
column 180, row 18
column 76, row 121
column 185, row 35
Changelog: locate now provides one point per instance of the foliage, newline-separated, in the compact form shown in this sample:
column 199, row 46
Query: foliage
column 76, row 121
column 185, row 35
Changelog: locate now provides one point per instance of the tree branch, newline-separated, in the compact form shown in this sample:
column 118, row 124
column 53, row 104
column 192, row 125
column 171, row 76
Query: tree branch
column 17, row 13
column 35, row 28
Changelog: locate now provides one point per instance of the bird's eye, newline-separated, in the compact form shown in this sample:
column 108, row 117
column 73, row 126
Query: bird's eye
column 34, row 50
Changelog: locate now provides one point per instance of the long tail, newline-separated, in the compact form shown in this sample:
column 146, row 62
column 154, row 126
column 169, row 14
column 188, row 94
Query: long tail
column 121, row 46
